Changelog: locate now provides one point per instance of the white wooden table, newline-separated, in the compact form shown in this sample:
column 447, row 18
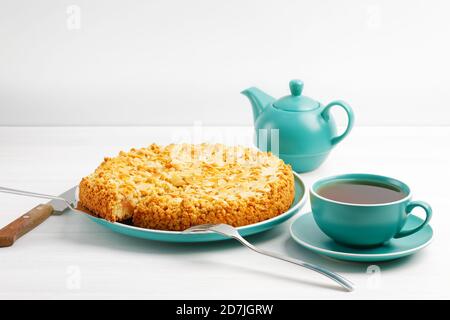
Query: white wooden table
column 69, row 256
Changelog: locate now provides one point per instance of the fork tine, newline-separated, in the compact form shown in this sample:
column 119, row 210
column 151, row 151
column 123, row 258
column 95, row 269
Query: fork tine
column 200, row 227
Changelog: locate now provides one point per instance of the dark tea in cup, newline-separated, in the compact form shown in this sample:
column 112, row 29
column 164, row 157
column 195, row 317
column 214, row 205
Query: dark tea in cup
column 364, row 210
column 361, row 192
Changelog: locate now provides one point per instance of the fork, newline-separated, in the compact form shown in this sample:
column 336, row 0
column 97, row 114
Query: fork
column 231, row 232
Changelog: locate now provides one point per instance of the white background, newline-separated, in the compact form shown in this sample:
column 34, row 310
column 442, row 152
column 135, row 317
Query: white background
column 166, row 62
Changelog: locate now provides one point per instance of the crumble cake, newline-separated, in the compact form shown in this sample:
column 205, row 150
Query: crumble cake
column 182, row 185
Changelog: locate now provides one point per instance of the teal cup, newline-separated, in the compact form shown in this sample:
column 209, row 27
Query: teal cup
column 365, row 225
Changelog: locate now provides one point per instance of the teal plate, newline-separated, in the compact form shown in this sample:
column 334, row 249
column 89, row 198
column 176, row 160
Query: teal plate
column 177, row 236
column 305, row 231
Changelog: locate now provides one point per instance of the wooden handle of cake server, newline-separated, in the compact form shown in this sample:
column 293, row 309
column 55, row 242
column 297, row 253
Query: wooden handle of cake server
column 13, row 231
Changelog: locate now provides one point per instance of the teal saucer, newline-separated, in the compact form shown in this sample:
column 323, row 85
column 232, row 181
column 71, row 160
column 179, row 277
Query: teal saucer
column 305, row 231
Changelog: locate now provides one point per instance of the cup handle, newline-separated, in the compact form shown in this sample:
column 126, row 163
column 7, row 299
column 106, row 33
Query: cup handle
column 425, row 206
column 350, row 115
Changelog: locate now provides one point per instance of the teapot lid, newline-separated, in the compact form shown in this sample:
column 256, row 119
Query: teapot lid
column 295, row 101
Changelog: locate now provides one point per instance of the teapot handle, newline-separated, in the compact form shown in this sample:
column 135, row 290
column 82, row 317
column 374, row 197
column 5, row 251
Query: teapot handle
column 326, row 115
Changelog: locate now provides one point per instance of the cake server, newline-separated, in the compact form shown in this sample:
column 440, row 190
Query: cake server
column 231, row 232
column 28, row 221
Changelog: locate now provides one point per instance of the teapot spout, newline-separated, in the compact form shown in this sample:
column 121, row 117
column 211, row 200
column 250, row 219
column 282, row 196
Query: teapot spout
column 258, row 99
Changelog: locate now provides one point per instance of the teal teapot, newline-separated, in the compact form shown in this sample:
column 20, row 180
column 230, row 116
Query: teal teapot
column 298, row 129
